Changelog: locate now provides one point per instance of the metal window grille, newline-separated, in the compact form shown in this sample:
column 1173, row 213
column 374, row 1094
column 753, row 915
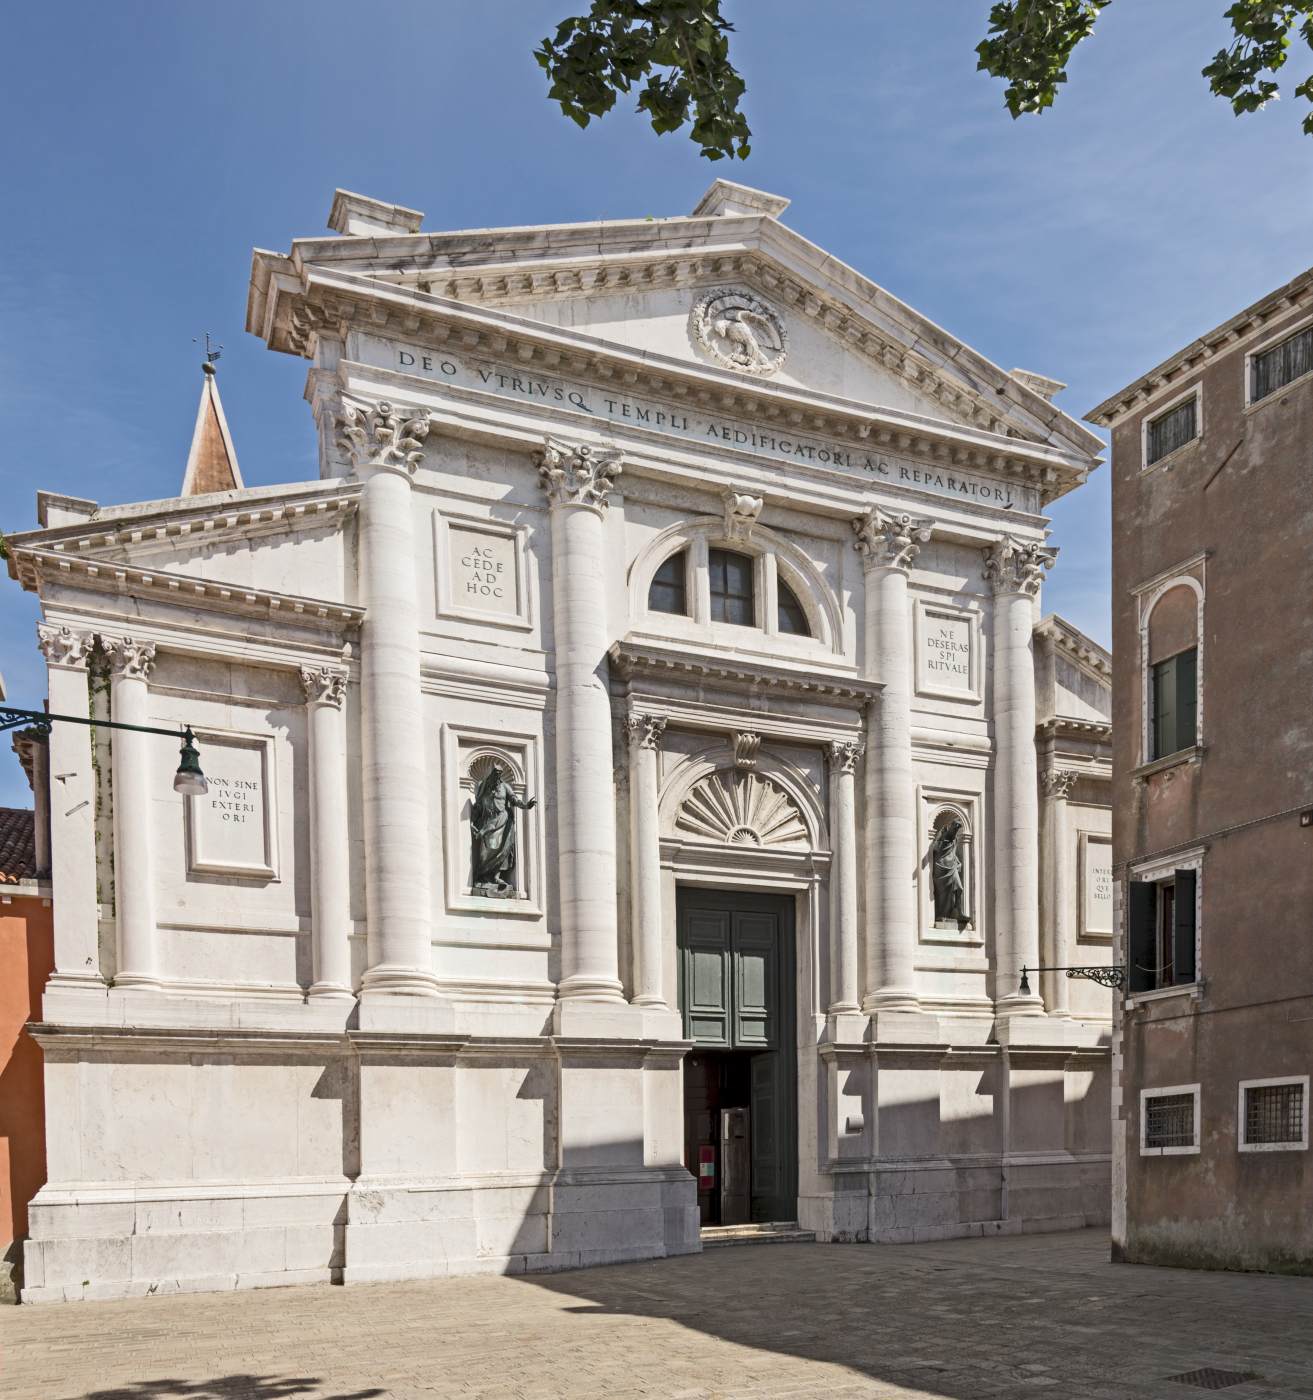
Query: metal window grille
column 1169, row 1121
column 1274, row 1113
column 1174, row 429
column 1275, row 368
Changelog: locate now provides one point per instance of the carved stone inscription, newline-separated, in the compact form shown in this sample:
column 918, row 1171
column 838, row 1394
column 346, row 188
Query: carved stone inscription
column 945, row 661
column 483, row 571
column 230, row 827
column 1096, row 885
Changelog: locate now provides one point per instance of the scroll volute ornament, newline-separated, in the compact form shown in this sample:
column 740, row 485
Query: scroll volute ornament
column 577, row 475
column 1013, row 567
column 889, row 541
column 62, row 646
column 382, row 436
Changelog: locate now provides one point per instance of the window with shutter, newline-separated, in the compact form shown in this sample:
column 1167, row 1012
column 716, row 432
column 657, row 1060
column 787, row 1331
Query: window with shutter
column 1174, row 684
column 1171, row 430
column 1273, row 369
column 1141, row 936
column 1183, row 928
column 1162, row 931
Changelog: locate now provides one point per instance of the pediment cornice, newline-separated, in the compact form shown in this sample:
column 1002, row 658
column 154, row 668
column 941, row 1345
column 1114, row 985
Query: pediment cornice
column 509, row 267
column 342, row 301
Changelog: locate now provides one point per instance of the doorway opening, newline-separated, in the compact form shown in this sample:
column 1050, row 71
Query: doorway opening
column 736, row 996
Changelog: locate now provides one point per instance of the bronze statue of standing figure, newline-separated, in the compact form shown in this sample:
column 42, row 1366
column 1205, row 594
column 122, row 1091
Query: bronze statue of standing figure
column 946, row 864
column 492, row 834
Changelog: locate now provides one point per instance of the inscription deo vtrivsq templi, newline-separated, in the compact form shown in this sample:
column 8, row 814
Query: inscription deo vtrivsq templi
column 509, row 382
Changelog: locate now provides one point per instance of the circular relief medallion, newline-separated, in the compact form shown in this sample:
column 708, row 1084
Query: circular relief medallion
column 739, row 330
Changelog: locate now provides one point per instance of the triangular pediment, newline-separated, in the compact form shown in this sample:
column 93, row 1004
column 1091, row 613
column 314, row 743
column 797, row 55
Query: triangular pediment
column 729, row 280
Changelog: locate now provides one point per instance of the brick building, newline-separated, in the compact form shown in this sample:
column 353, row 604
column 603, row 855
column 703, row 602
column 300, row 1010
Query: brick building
column 1212, row 834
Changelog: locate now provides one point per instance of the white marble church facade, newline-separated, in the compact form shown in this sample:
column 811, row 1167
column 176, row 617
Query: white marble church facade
column 732, row 562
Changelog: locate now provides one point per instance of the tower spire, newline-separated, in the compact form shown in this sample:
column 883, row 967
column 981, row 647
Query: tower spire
column 212, row 461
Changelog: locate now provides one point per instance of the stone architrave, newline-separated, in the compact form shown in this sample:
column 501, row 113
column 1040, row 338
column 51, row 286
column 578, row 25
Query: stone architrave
column 1015, row 569
column 386, row 446
column 134, row 769
column 72, row 799
column 577, row 480
column 644, row 733
column 843, row 757
column 888, row 545
column 330, row 884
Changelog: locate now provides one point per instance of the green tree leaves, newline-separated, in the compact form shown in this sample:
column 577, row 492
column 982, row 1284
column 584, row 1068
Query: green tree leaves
column 1029, row 43
column 680, row 47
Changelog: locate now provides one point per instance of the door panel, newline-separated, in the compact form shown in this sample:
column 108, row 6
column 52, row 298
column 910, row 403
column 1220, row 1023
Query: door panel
column 768, row 1146
column 706, row 967
column 756, row 979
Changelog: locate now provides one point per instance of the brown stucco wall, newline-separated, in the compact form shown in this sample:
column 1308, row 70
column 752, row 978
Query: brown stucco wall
column 1242, row 495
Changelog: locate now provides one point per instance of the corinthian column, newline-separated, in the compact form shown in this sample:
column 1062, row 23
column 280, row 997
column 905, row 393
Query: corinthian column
column 844, row 971
column 645, row 733
column 888, row 544
column 133, row 769
column 577, row 481
column 72, row 802
column 386, row 445
column 1015, row 570
column 330, row 873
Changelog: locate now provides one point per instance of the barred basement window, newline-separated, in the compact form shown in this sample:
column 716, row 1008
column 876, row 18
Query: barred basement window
column 1169, row 1121
column 1273, row 1115
column 1273, row 369
column 1171, row 430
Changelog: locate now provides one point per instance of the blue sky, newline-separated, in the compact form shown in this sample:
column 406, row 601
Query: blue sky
column 149, row 146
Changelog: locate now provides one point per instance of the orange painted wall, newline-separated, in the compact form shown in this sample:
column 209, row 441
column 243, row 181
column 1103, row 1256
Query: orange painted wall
column 26, row 961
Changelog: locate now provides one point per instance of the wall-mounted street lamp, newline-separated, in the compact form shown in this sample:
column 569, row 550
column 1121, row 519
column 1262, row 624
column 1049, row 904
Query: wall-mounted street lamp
column 188, row 780
column 1114, row 976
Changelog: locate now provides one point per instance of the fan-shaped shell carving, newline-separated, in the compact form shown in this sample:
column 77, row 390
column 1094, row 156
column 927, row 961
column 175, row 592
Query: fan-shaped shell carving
column 741, row 809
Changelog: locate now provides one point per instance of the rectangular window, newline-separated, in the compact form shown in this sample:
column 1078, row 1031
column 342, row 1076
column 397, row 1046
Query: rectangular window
column 1171, row 430
column 1161, row 932
column 1274, row 1115
column 1169, row 1121
column 731, row 588
column 1174, row 686
column 1273, row 369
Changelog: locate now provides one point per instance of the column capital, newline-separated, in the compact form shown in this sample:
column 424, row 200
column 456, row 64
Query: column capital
column 129, row 657
column 1058, row 783
column 324, row 685
column 645, row 730
column 843, row 755
column 382, row 437
column 577, row 475
column 889, row 541
column 62, row 646
column 1014, row 567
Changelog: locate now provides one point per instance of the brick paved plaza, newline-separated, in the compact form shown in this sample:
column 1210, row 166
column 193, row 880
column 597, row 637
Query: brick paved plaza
column 965, row 1320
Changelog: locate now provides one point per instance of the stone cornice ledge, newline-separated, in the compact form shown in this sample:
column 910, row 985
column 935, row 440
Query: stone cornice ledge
column 228, row 1039
column 630, row 660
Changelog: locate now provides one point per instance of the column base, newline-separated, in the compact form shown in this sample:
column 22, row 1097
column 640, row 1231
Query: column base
column 137, row 979
column 396, row 979
column 330, row 991
column 77, row 981
column 584, row 988
column 1018, row 1005
column 892, row 999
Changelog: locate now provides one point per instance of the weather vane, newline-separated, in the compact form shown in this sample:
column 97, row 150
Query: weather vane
column 212, row 353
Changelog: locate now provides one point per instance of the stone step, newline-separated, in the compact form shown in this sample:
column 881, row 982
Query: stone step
column 770, row 1232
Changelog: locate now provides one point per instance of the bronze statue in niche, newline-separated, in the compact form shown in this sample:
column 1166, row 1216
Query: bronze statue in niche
column 946, row 866
column 494, row 847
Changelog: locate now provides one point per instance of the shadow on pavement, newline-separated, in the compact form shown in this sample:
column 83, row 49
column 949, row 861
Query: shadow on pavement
column 235, row 1387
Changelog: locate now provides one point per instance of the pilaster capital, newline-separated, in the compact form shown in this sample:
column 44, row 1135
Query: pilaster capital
column 645, row 731
column 843, row 755
column 741, row 512
column 62, row 646
column 1058, row 783
column 577, row 476
column 889, row 541
column 1014, row 567
column 128, row 657
column 382, row 437
column 746, row 745
column 324, row 685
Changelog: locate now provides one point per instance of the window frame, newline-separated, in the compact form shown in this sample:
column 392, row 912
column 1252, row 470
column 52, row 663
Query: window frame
column 1196, row 392
column 686, row 553
column 1156, row 873
column 1242, row 1117
column 783, row 587
column 1170, row 1091
column 753, row 595
column 1156, row 590
column 1262, row 348
column 1153, row 669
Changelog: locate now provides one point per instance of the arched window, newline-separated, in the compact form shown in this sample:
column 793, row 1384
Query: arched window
column 669, row 590
column 732, row 594
column 792, row 618
column 1172, row 673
